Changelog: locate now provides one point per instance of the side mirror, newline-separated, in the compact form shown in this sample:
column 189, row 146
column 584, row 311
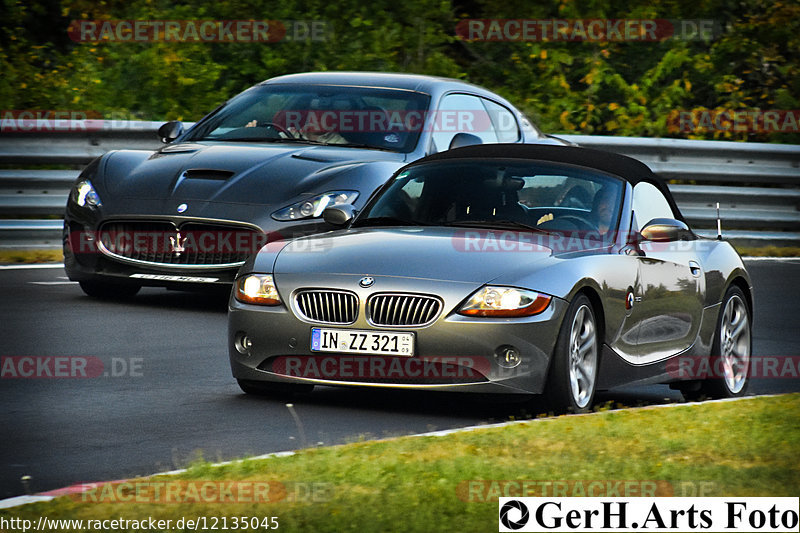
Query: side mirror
column 664, row 230
column 339, row 215
column 464, row 139
column 170, row 131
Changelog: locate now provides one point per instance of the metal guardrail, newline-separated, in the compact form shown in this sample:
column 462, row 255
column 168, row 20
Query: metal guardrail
column 765, row 211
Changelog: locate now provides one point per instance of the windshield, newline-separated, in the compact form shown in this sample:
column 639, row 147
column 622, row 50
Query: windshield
column 530, row 195
column 318, row 114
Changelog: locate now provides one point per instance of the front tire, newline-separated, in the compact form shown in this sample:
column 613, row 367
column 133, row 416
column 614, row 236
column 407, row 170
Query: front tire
column 572, row 379
column 731, row 352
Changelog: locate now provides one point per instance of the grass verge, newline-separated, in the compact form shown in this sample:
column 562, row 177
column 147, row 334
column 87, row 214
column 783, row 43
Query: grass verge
column 742, row 448
column 12, row 257
column 768, row 251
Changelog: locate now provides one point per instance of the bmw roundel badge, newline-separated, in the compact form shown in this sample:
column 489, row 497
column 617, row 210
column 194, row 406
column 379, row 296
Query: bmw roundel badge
column 629, row 299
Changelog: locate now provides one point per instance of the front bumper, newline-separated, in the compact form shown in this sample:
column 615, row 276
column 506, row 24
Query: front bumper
column 86, row 259
column 454, row 353
column 85, row 262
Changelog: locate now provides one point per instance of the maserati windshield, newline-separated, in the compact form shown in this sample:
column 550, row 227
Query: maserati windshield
column 364, row 117
column 518, row 195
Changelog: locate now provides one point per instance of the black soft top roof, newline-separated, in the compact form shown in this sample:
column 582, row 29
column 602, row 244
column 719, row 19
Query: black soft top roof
column 625, row 167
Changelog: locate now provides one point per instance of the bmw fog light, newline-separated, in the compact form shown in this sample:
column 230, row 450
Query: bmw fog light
column 507, row 356
column 242, row 342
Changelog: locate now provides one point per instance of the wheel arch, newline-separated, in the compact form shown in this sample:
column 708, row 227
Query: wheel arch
column 597, row 306
column 555, row 391
column 742, row 284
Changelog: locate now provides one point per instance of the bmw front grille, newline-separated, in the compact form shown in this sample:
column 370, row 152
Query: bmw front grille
column 327, row 306
column 402, row 310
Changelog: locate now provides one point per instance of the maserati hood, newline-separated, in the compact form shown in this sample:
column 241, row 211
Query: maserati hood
column 248, row 173
column 451, row 254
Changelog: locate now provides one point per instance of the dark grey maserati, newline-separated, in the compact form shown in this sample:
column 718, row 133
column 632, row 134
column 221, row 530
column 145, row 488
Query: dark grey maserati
column 499, row 268
column 263, row 167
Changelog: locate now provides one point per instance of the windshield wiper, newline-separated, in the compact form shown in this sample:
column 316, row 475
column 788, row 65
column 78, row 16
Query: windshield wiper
column 387, row 221
column 264, row 140
column 359, row 145
column 296, row 140
column 501, row 223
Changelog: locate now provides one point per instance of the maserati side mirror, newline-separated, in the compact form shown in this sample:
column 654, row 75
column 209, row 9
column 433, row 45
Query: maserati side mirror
column 170, row 131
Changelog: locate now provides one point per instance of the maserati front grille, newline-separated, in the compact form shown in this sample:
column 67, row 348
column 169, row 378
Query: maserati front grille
column 190, row 244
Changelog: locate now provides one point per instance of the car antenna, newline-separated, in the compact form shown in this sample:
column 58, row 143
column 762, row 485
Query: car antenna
column 719, row 225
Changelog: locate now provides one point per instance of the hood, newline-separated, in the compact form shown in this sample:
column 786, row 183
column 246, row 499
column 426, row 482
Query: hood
column 451, row 254
column 229, row 172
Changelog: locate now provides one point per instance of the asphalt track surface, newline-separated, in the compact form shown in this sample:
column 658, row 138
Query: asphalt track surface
column 169, row 396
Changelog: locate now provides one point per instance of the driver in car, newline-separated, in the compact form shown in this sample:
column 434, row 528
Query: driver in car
column 603, row 209
column 313, row 129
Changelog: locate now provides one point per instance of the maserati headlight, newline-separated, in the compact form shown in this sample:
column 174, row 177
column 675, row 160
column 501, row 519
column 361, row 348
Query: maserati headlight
column 257, row 289
column 313, row 207
column 504, row 302
column 84, row 194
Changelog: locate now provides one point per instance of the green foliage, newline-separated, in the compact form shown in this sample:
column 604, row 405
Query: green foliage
column 601, row 88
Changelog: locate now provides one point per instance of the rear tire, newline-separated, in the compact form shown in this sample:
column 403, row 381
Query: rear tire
column 572, row 380
column 109, row 291
column 731, row 352
column 272, row 389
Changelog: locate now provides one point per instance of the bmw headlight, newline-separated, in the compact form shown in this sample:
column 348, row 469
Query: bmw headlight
column 504, row 302
column 313, row 207
column 84, row 195
column 257, row 289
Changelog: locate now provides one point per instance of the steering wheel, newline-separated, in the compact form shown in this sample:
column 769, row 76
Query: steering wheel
column 582, row 223
column 575, row 196
column 276, row 127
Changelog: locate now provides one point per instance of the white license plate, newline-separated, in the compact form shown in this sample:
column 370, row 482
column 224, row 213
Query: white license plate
column 165, row 277
column 361, row 341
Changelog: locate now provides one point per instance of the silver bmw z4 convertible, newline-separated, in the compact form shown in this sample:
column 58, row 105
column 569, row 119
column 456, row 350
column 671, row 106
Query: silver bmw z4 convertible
column 501, row 268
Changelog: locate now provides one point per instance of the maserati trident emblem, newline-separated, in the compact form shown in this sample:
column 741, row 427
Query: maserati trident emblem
column 182, row 208
column 366, row 282
column 176, row 244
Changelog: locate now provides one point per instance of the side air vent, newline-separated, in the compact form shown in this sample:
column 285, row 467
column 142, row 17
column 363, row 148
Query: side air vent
column 207, row 174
